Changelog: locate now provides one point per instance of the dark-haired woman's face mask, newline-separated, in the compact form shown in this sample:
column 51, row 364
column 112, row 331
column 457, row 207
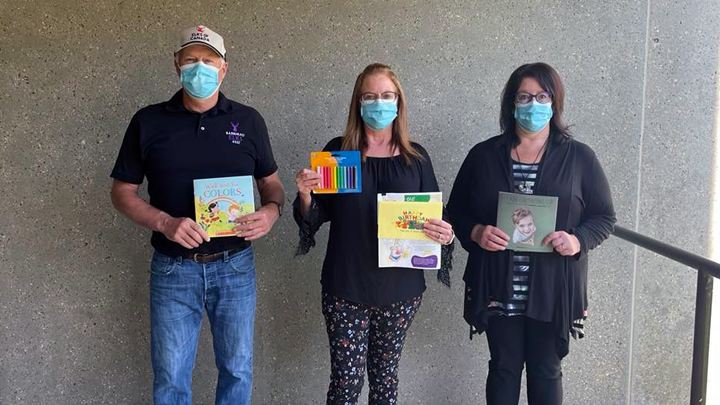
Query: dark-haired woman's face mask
column 533, row 116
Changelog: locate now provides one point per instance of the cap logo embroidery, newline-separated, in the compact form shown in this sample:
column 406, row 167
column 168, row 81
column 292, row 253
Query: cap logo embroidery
column 200, row 35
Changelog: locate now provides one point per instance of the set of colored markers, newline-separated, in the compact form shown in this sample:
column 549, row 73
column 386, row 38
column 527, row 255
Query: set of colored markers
column 340, row 171
column 337, row 177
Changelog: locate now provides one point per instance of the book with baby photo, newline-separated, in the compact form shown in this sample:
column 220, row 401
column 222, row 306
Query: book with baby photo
column 527, row 220
column 221, row 201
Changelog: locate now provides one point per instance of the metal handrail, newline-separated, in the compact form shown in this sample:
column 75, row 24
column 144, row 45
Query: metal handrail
column 707, row 269
column 671, row 252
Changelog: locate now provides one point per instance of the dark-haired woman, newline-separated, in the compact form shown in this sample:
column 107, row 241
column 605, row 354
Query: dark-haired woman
column 367, row 309
column 529, row 303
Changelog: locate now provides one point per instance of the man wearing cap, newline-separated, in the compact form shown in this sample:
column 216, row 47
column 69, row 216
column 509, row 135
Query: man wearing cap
column 198, row 134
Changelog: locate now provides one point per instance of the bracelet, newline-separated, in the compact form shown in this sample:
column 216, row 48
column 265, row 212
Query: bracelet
column 452, row 238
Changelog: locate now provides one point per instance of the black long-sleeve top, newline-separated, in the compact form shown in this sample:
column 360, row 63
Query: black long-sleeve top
column 558, row 284
column 350, row 270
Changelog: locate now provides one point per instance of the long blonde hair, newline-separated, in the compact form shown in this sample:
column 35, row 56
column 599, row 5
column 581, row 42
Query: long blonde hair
column 355, row 138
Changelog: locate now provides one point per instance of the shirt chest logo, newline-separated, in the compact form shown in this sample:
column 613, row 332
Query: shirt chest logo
column 233, row 135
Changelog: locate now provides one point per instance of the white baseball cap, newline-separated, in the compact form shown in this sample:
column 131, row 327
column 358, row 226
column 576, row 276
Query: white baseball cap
column 204, row 36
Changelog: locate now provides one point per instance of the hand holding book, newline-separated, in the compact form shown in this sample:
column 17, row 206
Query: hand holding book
column 438, row 230
column 489, row 237
column 257, row 224
column 183, row 231
column 563, row 242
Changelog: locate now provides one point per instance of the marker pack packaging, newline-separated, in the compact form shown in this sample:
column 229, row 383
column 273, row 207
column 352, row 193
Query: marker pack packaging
column 341, row 171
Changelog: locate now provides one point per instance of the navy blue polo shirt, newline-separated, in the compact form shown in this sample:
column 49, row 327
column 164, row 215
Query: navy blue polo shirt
column 172, row 146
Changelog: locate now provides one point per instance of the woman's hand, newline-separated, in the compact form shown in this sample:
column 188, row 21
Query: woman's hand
column 438, row 230
column 307, row 180
column 563, row 243
column 489, row 237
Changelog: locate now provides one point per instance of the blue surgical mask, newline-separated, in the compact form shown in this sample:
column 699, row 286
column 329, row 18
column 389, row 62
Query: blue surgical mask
column 378, row 115
column 533, row 116
column 199, row 80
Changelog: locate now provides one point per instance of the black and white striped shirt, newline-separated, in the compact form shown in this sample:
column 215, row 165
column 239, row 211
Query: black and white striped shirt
column 524, row 176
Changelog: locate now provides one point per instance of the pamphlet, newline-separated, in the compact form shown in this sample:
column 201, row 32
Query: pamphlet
column 401, row 241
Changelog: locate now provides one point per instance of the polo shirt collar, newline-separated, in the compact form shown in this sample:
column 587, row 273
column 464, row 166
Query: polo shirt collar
column 175, row 104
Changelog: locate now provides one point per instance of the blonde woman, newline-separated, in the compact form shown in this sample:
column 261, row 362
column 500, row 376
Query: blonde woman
column 368, row 310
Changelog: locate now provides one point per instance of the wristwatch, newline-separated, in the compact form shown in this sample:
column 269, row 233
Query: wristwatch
column 279, row 207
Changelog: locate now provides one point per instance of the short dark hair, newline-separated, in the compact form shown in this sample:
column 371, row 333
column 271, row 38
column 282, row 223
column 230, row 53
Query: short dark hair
column 550, row 81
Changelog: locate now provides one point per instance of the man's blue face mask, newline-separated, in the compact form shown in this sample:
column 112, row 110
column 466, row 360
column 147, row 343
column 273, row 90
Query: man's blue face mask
column 199, row 80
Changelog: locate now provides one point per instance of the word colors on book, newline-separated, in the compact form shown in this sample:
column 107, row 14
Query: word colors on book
column 341, row 171
column 220, row 202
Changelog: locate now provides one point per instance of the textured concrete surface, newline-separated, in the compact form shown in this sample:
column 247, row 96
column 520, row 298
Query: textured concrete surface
column 73, row 284
column 676, row 183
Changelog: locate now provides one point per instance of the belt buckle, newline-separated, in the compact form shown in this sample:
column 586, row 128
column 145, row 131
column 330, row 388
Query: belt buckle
column 195, row 257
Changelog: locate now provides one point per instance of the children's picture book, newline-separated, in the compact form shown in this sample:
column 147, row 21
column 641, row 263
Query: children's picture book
column 220, row 202
column 340, row 170
column 527, row 219
column 401, row 241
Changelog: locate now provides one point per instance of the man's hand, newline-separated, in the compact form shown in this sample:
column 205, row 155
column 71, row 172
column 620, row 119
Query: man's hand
column 257, row 224
column 184, row 231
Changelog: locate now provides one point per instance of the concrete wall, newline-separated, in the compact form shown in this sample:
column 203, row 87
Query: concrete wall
column 640, row 76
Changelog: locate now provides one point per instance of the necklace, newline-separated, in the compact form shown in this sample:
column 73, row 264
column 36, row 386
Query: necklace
column 524, row 186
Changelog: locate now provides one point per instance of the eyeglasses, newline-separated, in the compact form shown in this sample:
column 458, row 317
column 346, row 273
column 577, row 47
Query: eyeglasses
column 524, row 98
column 387, row 97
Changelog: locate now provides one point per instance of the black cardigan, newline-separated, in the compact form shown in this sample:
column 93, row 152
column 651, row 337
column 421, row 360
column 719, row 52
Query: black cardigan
column 558, row 284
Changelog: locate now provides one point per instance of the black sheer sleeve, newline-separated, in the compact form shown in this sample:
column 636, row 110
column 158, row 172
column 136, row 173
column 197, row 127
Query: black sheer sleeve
column 428, row 183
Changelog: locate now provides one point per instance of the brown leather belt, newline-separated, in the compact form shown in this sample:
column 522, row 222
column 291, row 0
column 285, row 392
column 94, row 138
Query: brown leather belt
column 203, row 258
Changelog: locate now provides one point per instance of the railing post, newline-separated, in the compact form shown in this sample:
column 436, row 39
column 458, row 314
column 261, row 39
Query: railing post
column 701, row 340
column 707, row 269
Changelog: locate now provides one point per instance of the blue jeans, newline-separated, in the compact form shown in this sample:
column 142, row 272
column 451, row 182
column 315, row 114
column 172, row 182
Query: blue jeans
column 180, row 291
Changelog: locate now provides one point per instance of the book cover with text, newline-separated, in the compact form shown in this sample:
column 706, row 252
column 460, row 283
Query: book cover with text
column 220, row 202
column 401, row 241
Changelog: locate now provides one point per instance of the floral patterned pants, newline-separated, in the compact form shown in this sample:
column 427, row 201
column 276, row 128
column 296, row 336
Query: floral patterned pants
column 362, row 335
